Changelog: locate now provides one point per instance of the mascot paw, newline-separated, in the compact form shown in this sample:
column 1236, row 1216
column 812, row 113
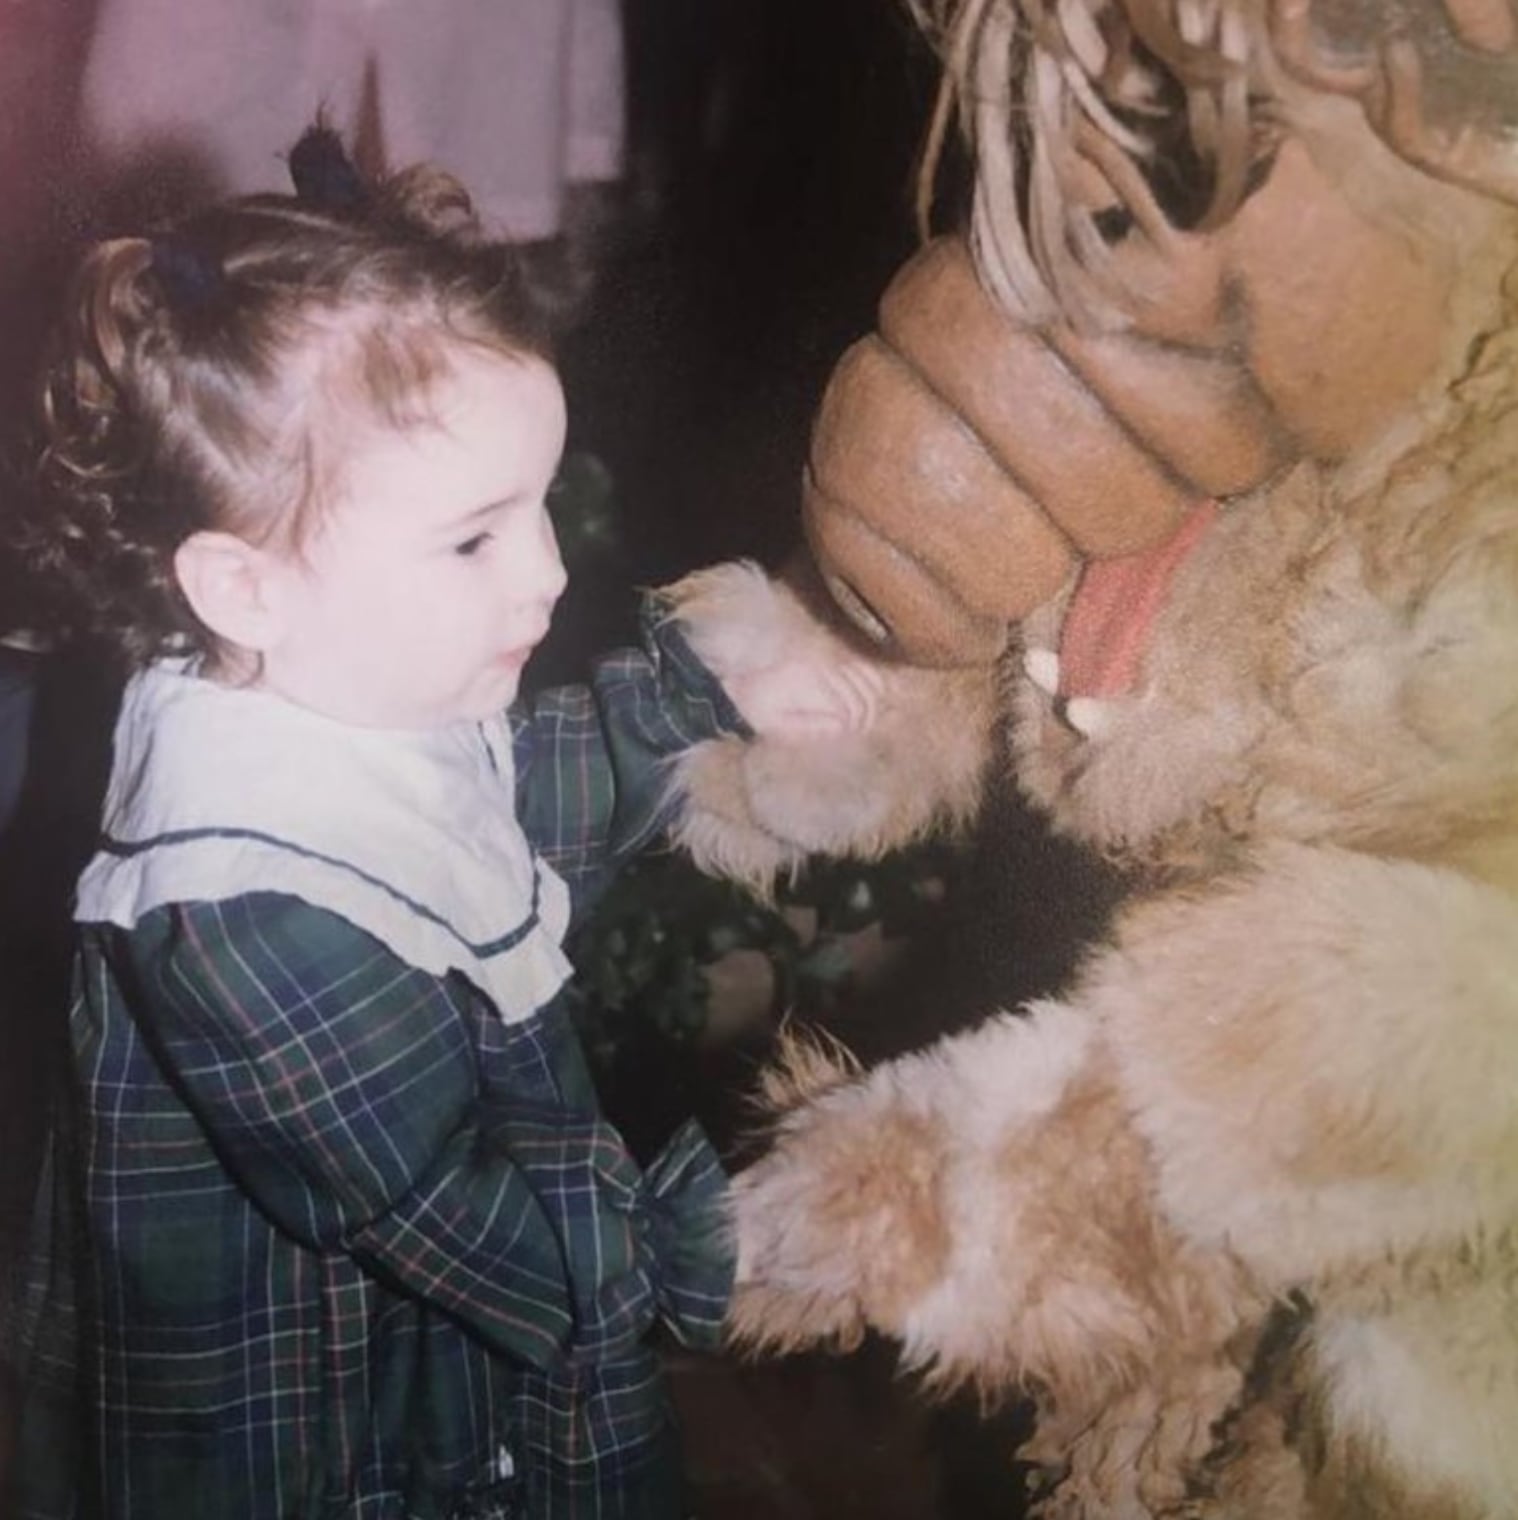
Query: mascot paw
column 899, row 752
column 840, row 1227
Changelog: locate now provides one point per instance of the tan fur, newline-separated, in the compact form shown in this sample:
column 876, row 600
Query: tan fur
column 1291, row 1077
column 1292, row 1072
column 876, row 1201
column 805, row 1064
column 754, row 812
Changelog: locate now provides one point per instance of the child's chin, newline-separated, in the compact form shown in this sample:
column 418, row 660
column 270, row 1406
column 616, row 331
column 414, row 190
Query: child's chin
column 492, row 696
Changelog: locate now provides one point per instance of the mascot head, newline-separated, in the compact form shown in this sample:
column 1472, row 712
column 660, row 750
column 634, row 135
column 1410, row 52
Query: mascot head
column 1210, row 239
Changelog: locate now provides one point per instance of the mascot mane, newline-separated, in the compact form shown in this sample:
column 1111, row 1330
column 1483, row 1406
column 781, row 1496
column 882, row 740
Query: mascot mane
column 1178, row 106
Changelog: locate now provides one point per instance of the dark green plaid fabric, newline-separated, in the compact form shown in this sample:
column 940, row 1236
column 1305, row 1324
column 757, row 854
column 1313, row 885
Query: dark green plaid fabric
column 592, row 762
column 323, row 1236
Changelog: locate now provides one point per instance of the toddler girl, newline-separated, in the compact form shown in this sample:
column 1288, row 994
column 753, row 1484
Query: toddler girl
column 332, row 1226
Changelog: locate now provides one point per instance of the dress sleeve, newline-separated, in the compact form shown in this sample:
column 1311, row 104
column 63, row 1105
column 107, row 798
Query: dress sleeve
column 592, row 761
column 342, row 1089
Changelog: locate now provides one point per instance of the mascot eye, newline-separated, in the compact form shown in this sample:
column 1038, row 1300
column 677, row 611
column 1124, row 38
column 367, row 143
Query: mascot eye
column 1112, row 223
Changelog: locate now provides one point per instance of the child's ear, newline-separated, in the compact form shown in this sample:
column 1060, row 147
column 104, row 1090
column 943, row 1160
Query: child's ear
column 232, row 586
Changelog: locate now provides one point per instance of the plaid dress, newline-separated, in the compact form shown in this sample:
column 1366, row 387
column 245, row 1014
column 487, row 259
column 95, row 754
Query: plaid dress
column 321, row 1234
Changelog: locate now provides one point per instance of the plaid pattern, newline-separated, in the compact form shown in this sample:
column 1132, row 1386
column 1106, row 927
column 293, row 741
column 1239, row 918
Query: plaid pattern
column 591, row 761
column 331, row 1239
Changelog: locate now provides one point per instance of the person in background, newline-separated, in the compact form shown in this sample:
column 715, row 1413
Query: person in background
column 523, row 101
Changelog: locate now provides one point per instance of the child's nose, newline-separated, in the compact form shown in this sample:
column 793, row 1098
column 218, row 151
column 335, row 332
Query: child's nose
column 547, row 573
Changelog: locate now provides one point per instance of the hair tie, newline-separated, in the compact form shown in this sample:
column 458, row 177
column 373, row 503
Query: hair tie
column 323, row 174
column 190, row 277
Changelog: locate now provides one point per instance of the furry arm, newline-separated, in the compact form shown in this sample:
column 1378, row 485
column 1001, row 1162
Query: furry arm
column 754, row 810
column 988, row 1202
column 1292, row 1082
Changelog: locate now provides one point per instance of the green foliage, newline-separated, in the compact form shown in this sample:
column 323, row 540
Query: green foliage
column 642, row 958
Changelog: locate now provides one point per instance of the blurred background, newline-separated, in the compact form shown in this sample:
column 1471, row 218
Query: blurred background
column 717, row 191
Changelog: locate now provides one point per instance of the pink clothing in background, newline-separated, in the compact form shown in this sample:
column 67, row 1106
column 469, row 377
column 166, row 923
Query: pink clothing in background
column 519, row 98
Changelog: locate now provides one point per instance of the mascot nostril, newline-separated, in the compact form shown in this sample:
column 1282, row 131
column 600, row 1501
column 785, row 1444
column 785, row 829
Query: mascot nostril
column 859, row 612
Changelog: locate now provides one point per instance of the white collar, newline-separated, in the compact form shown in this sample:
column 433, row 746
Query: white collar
column 220, row 791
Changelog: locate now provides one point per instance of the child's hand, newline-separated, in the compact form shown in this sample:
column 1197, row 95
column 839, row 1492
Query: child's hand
column 808, row 699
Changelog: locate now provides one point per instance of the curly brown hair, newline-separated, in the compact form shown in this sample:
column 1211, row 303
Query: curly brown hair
column 206, row 376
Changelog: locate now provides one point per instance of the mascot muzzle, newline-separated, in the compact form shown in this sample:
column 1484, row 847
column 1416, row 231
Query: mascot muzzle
column 962, row 465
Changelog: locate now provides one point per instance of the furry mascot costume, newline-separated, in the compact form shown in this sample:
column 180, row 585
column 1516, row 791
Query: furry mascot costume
column 1187, row 482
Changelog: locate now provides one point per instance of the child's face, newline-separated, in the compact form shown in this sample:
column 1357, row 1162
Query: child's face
column 431, row 577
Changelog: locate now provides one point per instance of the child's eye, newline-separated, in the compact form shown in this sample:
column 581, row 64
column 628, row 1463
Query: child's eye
column 472, row 546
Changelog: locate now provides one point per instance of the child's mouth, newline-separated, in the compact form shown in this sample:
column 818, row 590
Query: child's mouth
column 516, row 657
